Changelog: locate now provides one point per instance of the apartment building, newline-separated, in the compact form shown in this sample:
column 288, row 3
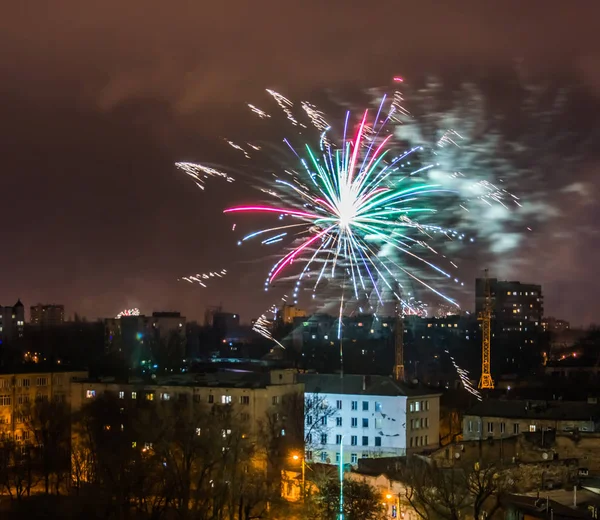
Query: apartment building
column 255, row 396
column 495, row 419
column 18, row 392
column 374, row 416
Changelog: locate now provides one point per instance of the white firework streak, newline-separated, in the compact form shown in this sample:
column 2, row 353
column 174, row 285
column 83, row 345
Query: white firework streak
column 464, row 378
column 285, row 104
column 260, row 113
column 200, row 173
column 202, row 278
column 238, row 147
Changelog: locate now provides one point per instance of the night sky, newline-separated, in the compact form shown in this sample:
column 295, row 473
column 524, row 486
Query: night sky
column 99, row 99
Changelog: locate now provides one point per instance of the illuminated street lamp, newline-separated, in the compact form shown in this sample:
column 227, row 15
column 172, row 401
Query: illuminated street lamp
column 296, row 457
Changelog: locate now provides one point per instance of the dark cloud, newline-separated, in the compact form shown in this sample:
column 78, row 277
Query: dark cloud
column 100, row 98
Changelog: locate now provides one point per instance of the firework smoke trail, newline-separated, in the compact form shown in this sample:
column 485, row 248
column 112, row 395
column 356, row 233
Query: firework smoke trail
column 202, row 278
column 128, row 312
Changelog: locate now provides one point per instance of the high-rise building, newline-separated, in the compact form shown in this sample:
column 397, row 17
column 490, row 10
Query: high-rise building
column 517, row 311
column 12, row 322
column 47, row 315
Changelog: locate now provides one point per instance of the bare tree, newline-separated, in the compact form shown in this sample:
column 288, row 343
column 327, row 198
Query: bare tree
column 48, row 424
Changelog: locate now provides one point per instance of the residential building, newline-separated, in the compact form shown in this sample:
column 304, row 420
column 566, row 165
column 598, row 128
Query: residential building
column 47, row 315
column 290, row 312
column 517, row 312
column 19, row 391
column 132, row 335
column 255, row 396
column 496, row 419
column 375, row 416
column 12, row 322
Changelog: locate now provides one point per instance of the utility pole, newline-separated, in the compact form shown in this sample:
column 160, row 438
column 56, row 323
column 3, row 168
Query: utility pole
column 399, row 338
column 485, row 317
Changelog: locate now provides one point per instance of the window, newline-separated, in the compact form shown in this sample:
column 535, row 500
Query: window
column 275, row 399
column 377, row 406
column 23, row 399
column 309, row 455
column 354, row 422
column 324, row 420
column 354, row 405
column 365, row 406
column 338, row 421
column 42, row 381
column 4, row 400
column 532, row 428
column 502, row 427
column 378, row 442
column 516, row 428
column 427, row 402
column 490, row 427
column 59, row 398
column 121, row 395
column 323, row 438
column 411, row 442
column 365, row 440
column 309, row 420
column 470, row 426
column 24, row 382
column 4, row 383
column 211, row 399
column 245, row 399
column 379, row 423
column 338, row 404
column 25, row 435
column 423, row 422
column 323, row 456
column 417, row 406
column 41, row 397
column 165, row 397
column 365, row 422
column 90, row 394
column 225, row 399
column 226, row 432
column 353, row 458
column 411, row 407
column 150, row 396
column 244, row 417
column 353, row 440
column 426, row 440
column 309, row 438
column 134, row 395
column 338, row 439
column 58, row 380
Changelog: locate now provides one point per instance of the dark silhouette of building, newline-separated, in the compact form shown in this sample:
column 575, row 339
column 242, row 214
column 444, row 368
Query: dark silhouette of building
column 517, row 311
column 12, row 323
column 47, row 315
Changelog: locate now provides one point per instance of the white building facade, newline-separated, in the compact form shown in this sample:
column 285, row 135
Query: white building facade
column 366, row 417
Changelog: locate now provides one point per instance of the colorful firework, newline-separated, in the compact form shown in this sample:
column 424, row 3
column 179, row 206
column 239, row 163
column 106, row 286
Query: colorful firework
column 202, row 278
column 355, row 212
column 127, row 312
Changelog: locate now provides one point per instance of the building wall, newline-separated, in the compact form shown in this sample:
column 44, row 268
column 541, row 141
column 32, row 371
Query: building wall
column 12, row 323
column 18, row 392
column 423, row 423
column 47, row 315
column 253, row 405
column 475, row 427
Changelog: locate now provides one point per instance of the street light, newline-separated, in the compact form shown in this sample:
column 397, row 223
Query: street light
column 303, row 461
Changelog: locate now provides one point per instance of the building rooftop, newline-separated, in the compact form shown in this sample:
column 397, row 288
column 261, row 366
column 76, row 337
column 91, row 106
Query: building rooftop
column 220, row 379
column 351, row 384
column 550, row 410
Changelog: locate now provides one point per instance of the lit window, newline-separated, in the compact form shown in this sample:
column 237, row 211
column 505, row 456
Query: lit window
column 165, row 397
column 225, row 399
column 90, row 394
column 417, row 406
column 134, row 395
column 121, row 395
column 150, row 396
column 532, row 428
column 377, row 406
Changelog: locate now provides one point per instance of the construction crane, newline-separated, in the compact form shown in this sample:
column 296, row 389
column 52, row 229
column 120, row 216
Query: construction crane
column 485, row 317
column 399, row 338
